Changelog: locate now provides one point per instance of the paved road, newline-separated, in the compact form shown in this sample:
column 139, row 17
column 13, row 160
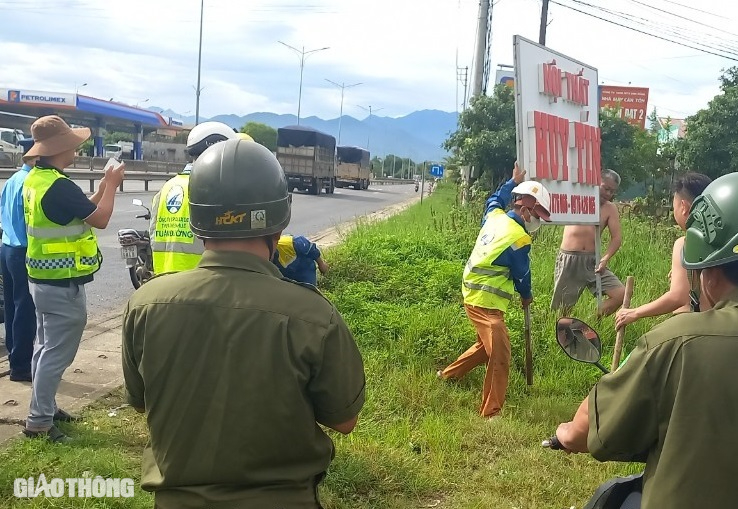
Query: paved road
column 310, row 214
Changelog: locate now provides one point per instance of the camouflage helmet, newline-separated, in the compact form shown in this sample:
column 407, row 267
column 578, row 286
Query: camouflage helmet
column 712, row 226
column 238, row 190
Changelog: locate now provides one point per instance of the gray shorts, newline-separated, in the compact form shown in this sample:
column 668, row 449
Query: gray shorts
column 574, row 272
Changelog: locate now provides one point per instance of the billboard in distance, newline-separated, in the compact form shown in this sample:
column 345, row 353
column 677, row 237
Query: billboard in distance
column 631, row 102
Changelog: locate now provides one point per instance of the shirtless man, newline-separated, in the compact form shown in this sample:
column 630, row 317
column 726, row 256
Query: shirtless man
column 576, row 264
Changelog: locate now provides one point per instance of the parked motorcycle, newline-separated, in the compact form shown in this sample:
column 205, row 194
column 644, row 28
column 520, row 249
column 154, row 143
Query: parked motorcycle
column 135, row 249
column 417, row 186
column 580, row 342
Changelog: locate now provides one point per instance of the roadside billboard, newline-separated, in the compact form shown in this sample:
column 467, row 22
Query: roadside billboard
column 631, row 102
column 558, row 134
column 505, row 77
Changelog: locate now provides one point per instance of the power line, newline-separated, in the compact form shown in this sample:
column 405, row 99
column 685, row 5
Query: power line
column 671, row 2
column 733, row 58
column 669, row 30
column 683, row 17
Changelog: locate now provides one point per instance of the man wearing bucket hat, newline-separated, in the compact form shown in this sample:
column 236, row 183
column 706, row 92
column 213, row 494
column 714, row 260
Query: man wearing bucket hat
column 62, row 257
column 498, row 266
column 20, row 314
column 235, row 365
column 674, row 402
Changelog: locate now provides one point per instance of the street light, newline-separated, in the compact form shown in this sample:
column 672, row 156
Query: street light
column 76, row 87
column 199, row 67
column 370, row 118
column 342, row 86
column 142, row 102
column 302, row 54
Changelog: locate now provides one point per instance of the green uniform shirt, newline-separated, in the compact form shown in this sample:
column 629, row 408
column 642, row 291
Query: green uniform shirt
column 674, row 405
column 234, row 366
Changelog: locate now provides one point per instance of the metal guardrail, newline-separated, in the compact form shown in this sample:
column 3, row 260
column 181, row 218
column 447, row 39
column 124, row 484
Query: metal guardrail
column 386, row 182
column 92, row 176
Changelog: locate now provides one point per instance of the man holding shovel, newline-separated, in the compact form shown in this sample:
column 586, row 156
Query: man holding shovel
column 498, row 266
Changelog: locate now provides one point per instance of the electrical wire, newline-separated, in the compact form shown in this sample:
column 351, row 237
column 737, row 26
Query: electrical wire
column 733, row 57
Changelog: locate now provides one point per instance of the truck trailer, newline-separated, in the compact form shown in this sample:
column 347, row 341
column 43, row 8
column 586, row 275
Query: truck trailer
column 308, row 158
column 354, row 168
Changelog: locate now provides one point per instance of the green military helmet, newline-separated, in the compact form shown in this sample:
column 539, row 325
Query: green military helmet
column 712, row 226
column 238, row 190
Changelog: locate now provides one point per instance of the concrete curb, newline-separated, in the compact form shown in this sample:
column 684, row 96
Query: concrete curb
column 97, row 369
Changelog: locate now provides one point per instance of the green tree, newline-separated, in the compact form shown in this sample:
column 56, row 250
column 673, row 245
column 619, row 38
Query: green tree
column 711, row 145
column 485, row 137
column 262, row 133
column 116, row 136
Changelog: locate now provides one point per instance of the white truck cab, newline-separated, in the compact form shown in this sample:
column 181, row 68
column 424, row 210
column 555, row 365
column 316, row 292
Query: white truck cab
column 11, row 152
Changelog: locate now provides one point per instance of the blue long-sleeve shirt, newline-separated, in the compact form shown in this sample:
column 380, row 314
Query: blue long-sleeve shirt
column 516, row 259
column 11, row 209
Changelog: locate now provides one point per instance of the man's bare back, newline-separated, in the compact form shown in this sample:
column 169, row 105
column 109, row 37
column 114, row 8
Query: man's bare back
column 581, row 238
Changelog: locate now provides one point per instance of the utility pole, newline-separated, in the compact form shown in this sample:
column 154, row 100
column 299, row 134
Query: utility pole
column 302, row 54
column 462, row 76
column 544, row 24
column 342, row 86
column 199, row 67
column 481, row 51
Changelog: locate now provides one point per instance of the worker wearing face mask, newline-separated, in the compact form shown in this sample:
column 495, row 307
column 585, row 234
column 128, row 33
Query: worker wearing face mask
column 498, row 266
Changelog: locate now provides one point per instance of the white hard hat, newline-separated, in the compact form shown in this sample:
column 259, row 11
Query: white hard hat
column 206, row 134
column 540, row 193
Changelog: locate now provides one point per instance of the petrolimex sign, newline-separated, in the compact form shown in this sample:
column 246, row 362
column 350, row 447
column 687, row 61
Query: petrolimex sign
column 558, row 134
column 38, row 97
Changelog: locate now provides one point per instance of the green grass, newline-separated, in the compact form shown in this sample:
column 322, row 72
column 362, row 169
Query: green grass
column 419, row 442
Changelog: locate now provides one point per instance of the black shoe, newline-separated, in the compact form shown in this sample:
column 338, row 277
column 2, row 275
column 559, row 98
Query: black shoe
column 21, row 377
column 53, row 435
column 62, row 416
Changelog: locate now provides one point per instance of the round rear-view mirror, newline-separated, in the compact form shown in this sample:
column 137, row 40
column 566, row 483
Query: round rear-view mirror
column 579, row 341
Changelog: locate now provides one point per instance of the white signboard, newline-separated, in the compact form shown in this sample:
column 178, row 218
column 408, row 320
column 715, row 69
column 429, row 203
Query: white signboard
column 558, row 134
column 37, row 97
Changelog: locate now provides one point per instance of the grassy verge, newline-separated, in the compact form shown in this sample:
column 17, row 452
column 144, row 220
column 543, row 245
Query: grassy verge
column 420, row 442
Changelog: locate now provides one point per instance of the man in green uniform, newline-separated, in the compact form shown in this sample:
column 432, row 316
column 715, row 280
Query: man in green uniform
column 235, row 366
column 674, row 403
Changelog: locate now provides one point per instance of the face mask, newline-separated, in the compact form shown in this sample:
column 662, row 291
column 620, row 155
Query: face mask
column 533, row 224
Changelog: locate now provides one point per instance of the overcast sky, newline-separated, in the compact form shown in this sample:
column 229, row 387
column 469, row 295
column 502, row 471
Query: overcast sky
column 403, row 51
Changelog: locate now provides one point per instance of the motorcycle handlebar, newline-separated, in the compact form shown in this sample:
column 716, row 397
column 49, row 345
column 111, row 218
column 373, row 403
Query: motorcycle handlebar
column 552, row 443
column 143, row 216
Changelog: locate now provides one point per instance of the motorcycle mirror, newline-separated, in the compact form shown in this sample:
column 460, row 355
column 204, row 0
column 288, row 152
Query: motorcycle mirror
column 137, row 202
column 579, row 341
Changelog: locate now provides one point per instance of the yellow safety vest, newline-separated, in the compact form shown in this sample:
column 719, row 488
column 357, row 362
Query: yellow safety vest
column 55, row 251
column 174, row 247
column 484, row 284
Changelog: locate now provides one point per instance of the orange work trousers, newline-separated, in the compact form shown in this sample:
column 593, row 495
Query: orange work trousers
column 491, row 348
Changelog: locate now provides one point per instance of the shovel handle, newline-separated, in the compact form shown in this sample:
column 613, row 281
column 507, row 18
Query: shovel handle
column 528, row 348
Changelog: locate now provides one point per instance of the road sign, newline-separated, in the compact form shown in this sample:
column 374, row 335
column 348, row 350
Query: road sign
column 436, row 170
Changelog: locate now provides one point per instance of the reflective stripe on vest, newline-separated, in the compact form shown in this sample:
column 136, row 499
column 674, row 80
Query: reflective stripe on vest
column 174, row 247
column 484, row 284
column 55, row 251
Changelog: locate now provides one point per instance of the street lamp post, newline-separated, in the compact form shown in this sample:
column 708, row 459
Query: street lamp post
column 370, row 119
column 303, row 54
column 76, row 88
column 342, row 86
column 199, row 67
column 141, row 102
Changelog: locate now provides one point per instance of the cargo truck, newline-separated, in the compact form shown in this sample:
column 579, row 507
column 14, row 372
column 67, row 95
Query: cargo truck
column 353, row 167
column 308, row 158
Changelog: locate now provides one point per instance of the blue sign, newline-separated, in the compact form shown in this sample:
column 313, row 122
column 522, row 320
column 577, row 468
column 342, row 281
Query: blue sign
column 436, row 170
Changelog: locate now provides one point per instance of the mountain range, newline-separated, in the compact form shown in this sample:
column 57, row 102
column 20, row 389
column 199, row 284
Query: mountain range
column 418, row 135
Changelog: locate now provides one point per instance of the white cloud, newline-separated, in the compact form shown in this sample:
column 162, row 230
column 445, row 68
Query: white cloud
column 403, row 51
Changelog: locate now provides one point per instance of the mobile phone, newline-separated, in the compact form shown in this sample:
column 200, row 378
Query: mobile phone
column 114, row 163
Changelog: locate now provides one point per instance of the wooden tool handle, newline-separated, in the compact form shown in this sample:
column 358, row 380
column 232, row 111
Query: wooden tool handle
column 621, row 332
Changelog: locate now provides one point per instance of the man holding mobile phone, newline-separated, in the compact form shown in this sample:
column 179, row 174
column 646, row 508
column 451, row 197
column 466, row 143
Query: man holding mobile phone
column 62, row 257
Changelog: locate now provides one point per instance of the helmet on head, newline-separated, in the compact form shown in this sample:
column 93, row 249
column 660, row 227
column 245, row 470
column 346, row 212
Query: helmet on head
column 206, row 134
column 238, row 190
column 712, row 226
column 538, row 191
column 245, row 136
